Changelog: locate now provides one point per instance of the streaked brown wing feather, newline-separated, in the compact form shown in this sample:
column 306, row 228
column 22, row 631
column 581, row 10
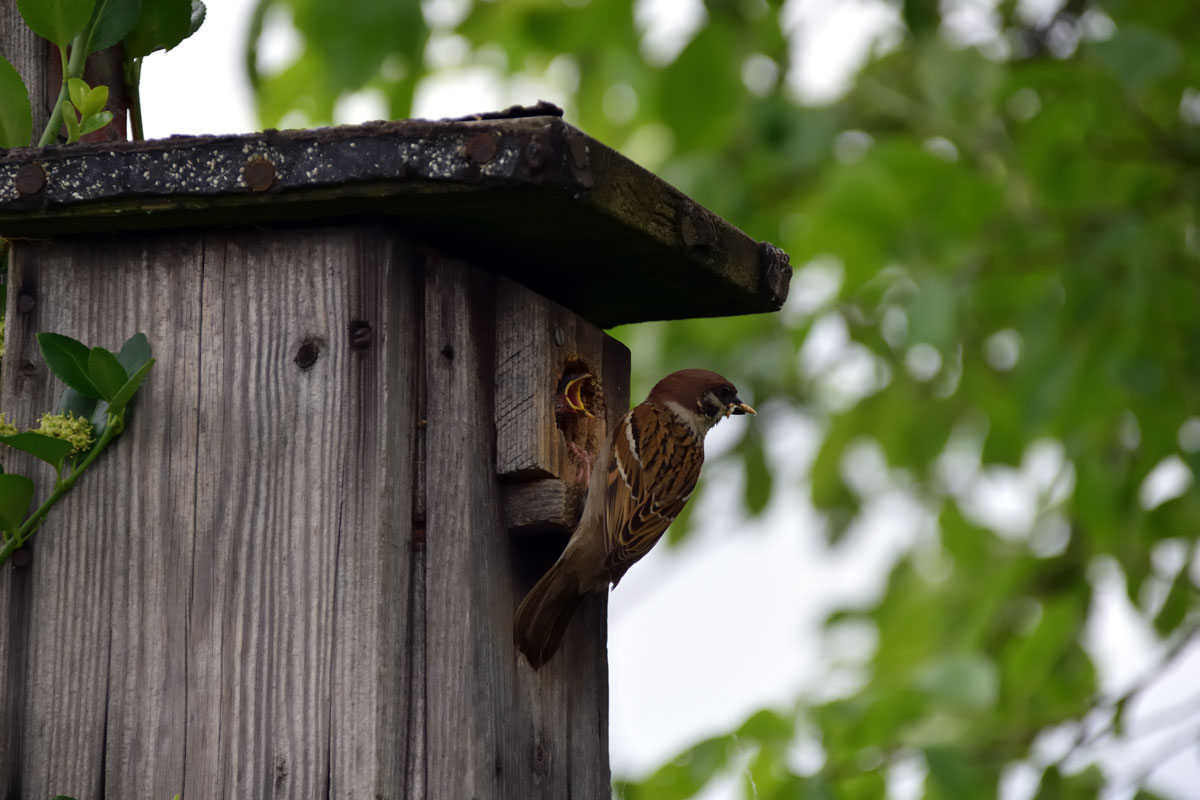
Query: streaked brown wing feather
column 646, row 488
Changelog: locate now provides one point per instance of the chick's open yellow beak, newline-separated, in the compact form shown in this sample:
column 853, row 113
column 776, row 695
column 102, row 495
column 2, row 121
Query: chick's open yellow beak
column 573, row 392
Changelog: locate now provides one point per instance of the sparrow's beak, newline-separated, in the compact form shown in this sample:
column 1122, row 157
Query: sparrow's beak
column 738, row 407
column 573, row 392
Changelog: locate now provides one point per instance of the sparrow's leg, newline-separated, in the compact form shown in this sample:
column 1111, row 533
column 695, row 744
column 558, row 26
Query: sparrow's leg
column 584, row 461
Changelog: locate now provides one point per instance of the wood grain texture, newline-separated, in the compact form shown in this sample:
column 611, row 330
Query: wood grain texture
column 31, row 55
column 283, row 581
column 221, row 607
column 469, row 660
column 545, row 506
column 537, row 341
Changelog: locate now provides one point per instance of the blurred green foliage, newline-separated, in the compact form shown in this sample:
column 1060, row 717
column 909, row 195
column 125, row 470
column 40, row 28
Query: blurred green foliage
column 1010, row 238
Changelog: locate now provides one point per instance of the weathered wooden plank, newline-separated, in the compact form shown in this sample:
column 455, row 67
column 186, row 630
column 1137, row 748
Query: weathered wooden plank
column 266, row 542
column 544, row 506
column 314, row 591
column 470, row 661
column 372, row 726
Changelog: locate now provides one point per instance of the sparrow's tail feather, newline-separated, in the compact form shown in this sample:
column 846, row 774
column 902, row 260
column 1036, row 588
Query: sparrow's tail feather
column 544, row 614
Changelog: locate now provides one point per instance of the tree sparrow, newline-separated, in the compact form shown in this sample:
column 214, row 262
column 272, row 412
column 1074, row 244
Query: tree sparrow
column 644, row 474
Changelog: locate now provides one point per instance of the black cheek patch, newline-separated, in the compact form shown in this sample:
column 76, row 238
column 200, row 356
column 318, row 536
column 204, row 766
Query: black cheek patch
column 710, row 409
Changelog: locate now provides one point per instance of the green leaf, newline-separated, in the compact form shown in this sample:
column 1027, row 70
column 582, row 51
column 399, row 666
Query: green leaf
column 967, row 681
column 106, row 372
column 91, row 408
column 116, row 405
column 47, row 448
column 162, row 25
column 77, row 89
column 134, row 353
column 94, row 101
column 112, row 21
column 1056, row 786
column 71, row 401
column 1139, row 56
column 72, row 123
column 95, row 122
column 57, row 20
column 769, row 727
column 68, row 359
column 16, row 493
column 950, row 772
column 1181, row 598
column 199, row 12
column 699, row 91
column 16, row 118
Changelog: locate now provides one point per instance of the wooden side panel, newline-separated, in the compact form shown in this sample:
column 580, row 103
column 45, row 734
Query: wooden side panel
column 376, row 617
column 470, row 660
column 304, row 546
column 220, row 605
column 106, row 608
column 291, row 578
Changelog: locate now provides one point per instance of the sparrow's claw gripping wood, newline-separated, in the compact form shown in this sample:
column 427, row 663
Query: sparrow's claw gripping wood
column 642, row 478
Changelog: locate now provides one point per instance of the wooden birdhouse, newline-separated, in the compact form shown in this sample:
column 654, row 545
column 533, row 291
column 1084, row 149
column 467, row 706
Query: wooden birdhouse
column 295, row 574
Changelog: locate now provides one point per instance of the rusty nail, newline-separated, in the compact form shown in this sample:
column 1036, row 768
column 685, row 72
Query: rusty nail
column 25, row 303
column 448, row 351
column 306, row 356
column 259, row 174
column 559, row 336
column 534, row 152
column 30, row 179
column 21, row 558
column 360, row 335
column 26, row 369
column 687, row 230
column 481, row 148
column 695, row 228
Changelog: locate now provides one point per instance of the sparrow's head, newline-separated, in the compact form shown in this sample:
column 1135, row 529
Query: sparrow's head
column 701, row 397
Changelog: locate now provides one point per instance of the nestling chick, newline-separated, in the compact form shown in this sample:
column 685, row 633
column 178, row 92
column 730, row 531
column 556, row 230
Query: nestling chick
column 642, row 478
column 570, row 406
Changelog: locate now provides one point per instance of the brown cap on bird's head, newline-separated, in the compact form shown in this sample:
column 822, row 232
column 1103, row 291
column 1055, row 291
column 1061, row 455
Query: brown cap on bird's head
column 705, row 390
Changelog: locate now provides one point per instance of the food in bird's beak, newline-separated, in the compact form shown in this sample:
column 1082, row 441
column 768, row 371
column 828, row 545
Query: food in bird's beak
column 573, row 392
column 738, row 407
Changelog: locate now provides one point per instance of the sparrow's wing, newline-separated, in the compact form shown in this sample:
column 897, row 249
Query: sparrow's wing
column 654, row 467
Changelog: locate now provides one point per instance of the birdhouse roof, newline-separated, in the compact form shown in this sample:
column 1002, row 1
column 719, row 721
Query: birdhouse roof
column 520, row 193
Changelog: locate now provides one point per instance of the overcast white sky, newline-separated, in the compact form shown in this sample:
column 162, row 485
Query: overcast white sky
column 702, row 635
